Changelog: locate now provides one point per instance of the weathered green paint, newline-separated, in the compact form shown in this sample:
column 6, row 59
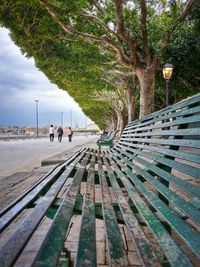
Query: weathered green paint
column 191, row 238
column 165, row 151
column 173, row 110
column 186, row 207
column 177, row 142
column 86, row 254
column 147, row 255
column 47, row 255
column 10, row 250
column 184, row 185
column 116, row 249
column 173, row 253
column 107, row 141
column 8, row 214
column 191, row 170
column 167, row 124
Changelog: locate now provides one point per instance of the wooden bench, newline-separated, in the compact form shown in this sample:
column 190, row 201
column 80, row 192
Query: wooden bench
column 145, row 190
column 108, row 141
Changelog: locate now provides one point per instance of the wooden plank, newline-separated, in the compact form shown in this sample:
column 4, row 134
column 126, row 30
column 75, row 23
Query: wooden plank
column 86, row 253
column 187, row 234
column 172, row 142
column 178, row 132
column 48, row 255
column 20, row 237
column 8, row 214
column 173, row 253
column 168, row 152
column 155, row 119
column 185, row 104
column 176, row 200
column 116, row 249
column 189, row 188
column 161, row 124
column 191, row 170
column 147, row 255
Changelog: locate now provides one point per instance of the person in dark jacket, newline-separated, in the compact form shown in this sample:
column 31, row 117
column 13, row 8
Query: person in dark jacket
column 60, row 134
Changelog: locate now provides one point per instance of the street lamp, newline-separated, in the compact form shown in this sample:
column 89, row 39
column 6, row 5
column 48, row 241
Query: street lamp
column 71, row 117
column 36, row 102
column 61, row 113
column 167, row 73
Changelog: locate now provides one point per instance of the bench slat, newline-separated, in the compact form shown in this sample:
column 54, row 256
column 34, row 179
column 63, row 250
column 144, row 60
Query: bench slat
column 86, row 252
column 187, row 103
column 20, row 237
column 186, row 207
column 172, row 142
column 173, row 253
column 191, row 170
column 161, row 124
column 47, row 255
column 116, row 249
column 178, row 132
column 176, row 114
column 147, row 254
column 189, row 236
column 15, row 208
column 166, row 151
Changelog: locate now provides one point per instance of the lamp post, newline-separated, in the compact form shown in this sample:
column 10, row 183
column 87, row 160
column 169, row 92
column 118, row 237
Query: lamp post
column 167, row 73
column 61, row 117
column 36, row 102
column 71, row 117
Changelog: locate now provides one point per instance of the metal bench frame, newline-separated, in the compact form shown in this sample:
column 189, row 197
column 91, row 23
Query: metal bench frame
column 149, row 180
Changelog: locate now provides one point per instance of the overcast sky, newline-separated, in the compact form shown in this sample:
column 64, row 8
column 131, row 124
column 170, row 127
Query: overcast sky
column 21, row 83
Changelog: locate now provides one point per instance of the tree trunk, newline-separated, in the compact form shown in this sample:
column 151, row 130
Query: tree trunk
column 146, row 77
column 131, row 103
column 120, row 121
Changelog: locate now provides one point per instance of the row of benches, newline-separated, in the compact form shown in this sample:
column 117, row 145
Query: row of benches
column 149, row 183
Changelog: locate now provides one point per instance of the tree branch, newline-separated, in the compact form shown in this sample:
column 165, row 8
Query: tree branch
column 118, row 72
column 120, row 20
column 121, row 30
column 101, row 23
column 177, row 21
column 87, row 36
column 143, row 19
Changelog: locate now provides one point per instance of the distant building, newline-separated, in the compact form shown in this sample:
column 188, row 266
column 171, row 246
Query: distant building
column 92, row 127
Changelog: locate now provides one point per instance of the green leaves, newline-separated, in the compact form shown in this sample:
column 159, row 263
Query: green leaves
column 76, row 62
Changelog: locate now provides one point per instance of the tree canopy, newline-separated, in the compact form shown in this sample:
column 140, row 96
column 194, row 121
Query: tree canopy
column 77, row 43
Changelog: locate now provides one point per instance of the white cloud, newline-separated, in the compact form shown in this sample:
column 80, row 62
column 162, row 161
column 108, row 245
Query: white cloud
column 21, row 83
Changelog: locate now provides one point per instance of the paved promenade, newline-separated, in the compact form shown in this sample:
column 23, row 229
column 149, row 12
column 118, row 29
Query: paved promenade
column 25, row 155
column 20, row 162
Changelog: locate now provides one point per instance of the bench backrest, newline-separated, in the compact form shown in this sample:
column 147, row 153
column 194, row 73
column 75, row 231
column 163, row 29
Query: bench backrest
column 160, row 154
column 112, row 135
column 172, row 133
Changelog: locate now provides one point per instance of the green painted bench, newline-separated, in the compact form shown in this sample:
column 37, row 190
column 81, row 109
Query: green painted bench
column 108, row 141
column 137, row 204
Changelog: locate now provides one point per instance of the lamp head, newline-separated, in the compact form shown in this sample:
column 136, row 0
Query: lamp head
column 167, row 71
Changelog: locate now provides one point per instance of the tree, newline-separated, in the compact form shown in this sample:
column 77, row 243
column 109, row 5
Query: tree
column 118, row 101
column 136, row 33
column 133, row 35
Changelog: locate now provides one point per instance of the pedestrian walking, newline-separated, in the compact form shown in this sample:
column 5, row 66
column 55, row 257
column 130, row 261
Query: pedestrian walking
column 69, row 133
column 51, row 133
column 60, row 134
